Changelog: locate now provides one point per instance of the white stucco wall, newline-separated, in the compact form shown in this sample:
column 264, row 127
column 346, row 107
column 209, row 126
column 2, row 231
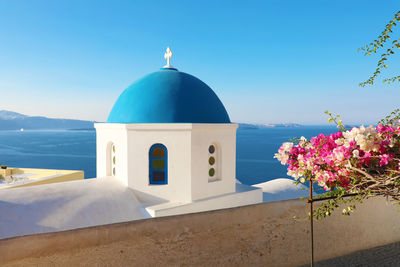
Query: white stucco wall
column 224, row 137
column 187, row 146
column 177, row 142
column 67, row 205
column 244, row 195
column 117, row 134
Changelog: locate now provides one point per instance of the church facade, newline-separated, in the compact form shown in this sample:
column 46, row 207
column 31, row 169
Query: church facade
column 169, row 137
column 177, row 162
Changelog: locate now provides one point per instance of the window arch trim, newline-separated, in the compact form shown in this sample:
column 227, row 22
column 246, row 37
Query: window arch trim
column 158, row 165
column 110, row 159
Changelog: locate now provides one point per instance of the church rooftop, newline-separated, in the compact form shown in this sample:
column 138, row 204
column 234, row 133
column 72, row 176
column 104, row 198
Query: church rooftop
column 168, row 96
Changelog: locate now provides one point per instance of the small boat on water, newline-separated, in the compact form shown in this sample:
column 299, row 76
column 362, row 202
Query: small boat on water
column 22, row 129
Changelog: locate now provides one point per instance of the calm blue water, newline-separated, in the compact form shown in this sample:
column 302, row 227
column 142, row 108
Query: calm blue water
column 76, row 150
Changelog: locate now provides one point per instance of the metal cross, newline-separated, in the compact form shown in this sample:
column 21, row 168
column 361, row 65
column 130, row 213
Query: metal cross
column 167, row 56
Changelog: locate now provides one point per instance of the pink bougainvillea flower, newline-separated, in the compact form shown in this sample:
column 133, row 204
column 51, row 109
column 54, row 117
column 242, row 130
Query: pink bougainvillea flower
column 326, row 157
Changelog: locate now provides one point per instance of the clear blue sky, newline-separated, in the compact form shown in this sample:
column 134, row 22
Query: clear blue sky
column 268, row 61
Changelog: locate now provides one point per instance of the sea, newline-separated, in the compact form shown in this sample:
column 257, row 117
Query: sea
column 76, row 150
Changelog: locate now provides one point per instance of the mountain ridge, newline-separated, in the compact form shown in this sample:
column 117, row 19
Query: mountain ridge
column 10, row 120
column 266, row 125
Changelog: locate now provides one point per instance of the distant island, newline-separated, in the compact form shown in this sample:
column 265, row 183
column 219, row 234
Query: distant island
column 266, row 125
column 10, row 120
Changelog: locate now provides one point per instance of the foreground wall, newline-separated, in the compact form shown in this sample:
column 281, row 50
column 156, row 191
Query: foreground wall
column 264, row 234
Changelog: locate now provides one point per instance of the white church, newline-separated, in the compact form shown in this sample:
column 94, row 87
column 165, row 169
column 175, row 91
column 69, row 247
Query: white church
column 167, row 148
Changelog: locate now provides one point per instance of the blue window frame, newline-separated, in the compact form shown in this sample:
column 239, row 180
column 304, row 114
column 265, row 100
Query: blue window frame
column 158, row 164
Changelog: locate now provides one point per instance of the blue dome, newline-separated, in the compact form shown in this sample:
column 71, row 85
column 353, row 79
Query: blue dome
column 168, row 96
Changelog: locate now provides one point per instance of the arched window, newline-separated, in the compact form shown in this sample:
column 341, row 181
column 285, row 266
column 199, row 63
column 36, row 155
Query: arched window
column 111, row 159
column 213, row 160
column 158, row 164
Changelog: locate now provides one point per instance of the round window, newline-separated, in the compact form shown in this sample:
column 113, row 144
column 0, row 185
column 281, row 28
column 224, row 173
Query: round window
column 211, row 149
column 211, row 160
column 211, row 172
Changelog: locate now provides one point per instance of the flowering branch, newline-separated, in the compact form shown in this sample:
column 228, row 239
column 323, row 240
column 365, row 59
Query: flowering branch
column 336, row 120
column 360, row 163
column 379, row 43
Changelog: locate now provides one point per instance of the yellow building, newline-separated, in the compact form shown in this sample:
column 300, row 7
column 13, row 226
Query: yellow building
column 22, row 177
